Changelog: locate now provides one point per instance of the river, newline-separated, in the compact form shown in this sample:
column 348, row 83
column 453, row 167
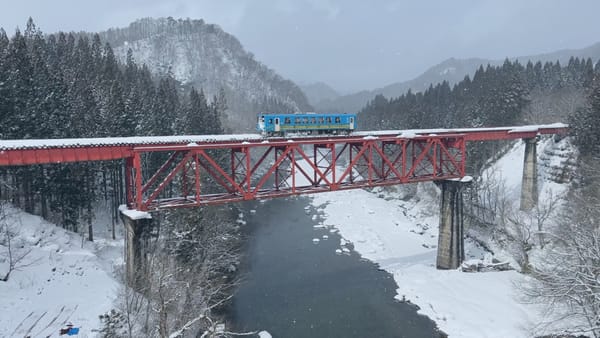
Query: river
column 294, row 286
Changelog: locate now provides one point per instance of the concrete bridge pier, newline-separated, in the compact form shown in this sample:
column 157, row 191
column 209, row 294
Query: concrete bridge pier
column 451, row 248
column 138, row 226
column 529, row 191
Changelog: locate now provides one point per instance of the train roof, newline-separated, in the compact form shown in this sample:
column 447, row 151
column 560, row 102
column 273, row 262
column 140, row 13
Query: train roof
column 306, row 113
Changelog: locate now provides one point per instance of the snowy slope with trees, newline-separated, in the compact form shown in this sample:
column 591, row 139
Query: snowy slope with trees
column 204, row 56
column 53, row 277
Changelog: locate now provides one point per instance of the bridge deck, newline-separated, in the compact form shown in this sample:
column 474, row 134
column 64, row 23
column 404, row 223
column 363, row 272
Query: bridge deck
column 472, row 134
column 266, row 168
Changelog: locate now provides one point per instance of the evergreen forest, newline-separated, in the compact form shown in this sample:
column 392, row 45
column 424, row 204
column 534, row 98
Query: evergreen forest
column 506, row 95
column 67, row 85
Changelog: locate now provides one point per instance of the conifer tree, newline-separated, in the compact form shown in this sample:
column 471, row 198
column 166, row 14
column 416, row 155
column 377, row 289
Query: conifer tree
column 584, row 123
column 19, row 79
column 196, row 114
column 59, row 86
column 5, row 89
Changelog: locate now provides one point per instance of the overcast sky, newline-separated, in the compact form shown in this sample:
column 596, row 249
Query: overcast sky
column 348, row 44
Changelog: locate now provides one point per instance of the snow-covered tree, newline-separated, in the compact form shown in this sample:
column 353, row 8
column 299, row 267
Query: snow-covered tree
column 567, row 280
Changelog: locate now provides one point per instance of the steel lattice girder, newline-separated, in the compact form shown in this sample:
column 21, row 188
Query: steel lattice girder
column 206, row 174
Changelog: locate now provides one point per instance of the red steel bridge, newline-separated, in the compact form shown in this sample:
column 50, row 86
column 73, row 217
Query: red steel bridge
column 214, row 169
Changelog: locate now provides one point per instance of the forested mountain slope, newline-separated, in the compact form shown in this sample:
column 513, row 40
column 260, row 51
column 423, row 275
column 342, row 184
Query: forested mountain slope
column 451, row 71
column 66, row 85
column 204, row 56
column 510, row 94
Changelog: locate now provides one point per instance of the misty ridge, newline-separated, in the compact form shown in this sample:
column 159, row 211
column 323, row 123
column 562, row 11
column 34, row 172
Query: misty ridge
column 452, row 70
column 204, row 56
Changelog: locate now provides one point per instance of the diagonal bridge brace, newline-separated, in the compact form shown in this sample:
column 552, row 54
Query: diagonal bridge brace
column 206, row 174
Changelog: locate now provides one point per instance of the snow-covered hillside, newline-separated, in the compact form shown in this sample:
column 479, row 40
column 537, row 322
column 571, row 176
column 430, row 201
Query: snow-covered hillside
column 57, row 282
column 205, row 56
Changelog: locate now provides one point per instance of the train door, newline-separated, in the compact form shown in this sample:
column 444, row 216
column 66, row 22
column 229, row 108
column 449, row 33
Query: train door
column 351, row 124
column 277, row 126
column 261, row 123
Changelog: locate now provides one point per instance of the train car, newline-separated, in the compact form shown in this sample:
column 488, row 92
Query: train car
column 305, row 124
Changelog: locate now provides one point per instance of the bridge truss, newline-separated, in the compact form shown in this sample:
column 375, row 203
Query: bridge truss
column 213, row 174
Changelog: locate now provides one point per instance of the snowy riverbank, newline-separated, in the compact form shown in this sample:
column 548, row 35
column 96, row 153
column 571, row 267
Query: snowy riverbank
column 401, row 236
column 462, row 304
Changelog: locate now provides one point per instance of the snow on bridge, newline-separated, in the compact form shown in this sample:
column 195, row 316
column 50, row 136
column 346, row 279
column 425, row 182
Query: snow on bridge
column 476, row 134
column 122, row 141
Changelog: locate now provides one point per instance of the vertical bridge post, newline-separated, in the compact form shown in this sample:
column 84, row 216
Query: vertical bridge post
column 529, row 193
column 451, row 250
column 138, row 226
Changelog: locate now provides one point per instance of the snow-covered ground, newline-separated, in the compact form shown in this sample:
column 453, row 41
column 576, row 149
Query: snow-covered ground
column 58, row 282
column 401, row 236
column 462, row 304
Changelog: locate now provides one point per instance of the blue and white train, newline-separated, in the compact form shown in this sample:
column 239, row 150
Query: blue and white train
column 305, row 124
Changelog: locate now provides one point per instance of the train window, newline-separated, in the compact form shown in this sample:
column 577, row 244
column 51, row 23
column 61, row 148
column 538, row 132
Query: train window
column 352, row 120
column 297, row 120
column 305, row 120
column 337, row 119
column 276, row 121
column 313, row 120
column 328, row 119
column 288, row 120
column 270, row 120
column 321, row 119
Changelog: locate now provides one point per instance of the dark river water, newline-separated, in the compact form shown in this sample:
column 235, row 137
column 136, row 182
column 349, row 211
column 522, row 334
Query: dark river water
column 295, row 288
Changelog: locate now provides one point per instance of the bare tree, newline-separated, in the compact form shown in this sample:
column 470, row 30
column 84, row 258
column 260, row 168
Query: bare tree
column 210, row 255
column 567, row 281
column 133, row 307
column 488, row 200
column 165, row 293
column 129, row 319
column 492, row 210
column 543, row 212
column 13, row 255
column 191, row 272
column 524, row 226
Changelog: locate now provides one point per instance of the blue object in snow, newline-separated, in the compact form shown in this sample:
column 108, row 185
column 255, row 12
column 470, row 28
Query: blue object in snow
column 73, row 331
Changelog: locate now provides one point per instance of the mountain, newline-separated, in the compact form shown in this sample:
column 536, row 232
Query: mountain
column 204, row 56
column 319, row 91
column 564, row 55
column 451, row 70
